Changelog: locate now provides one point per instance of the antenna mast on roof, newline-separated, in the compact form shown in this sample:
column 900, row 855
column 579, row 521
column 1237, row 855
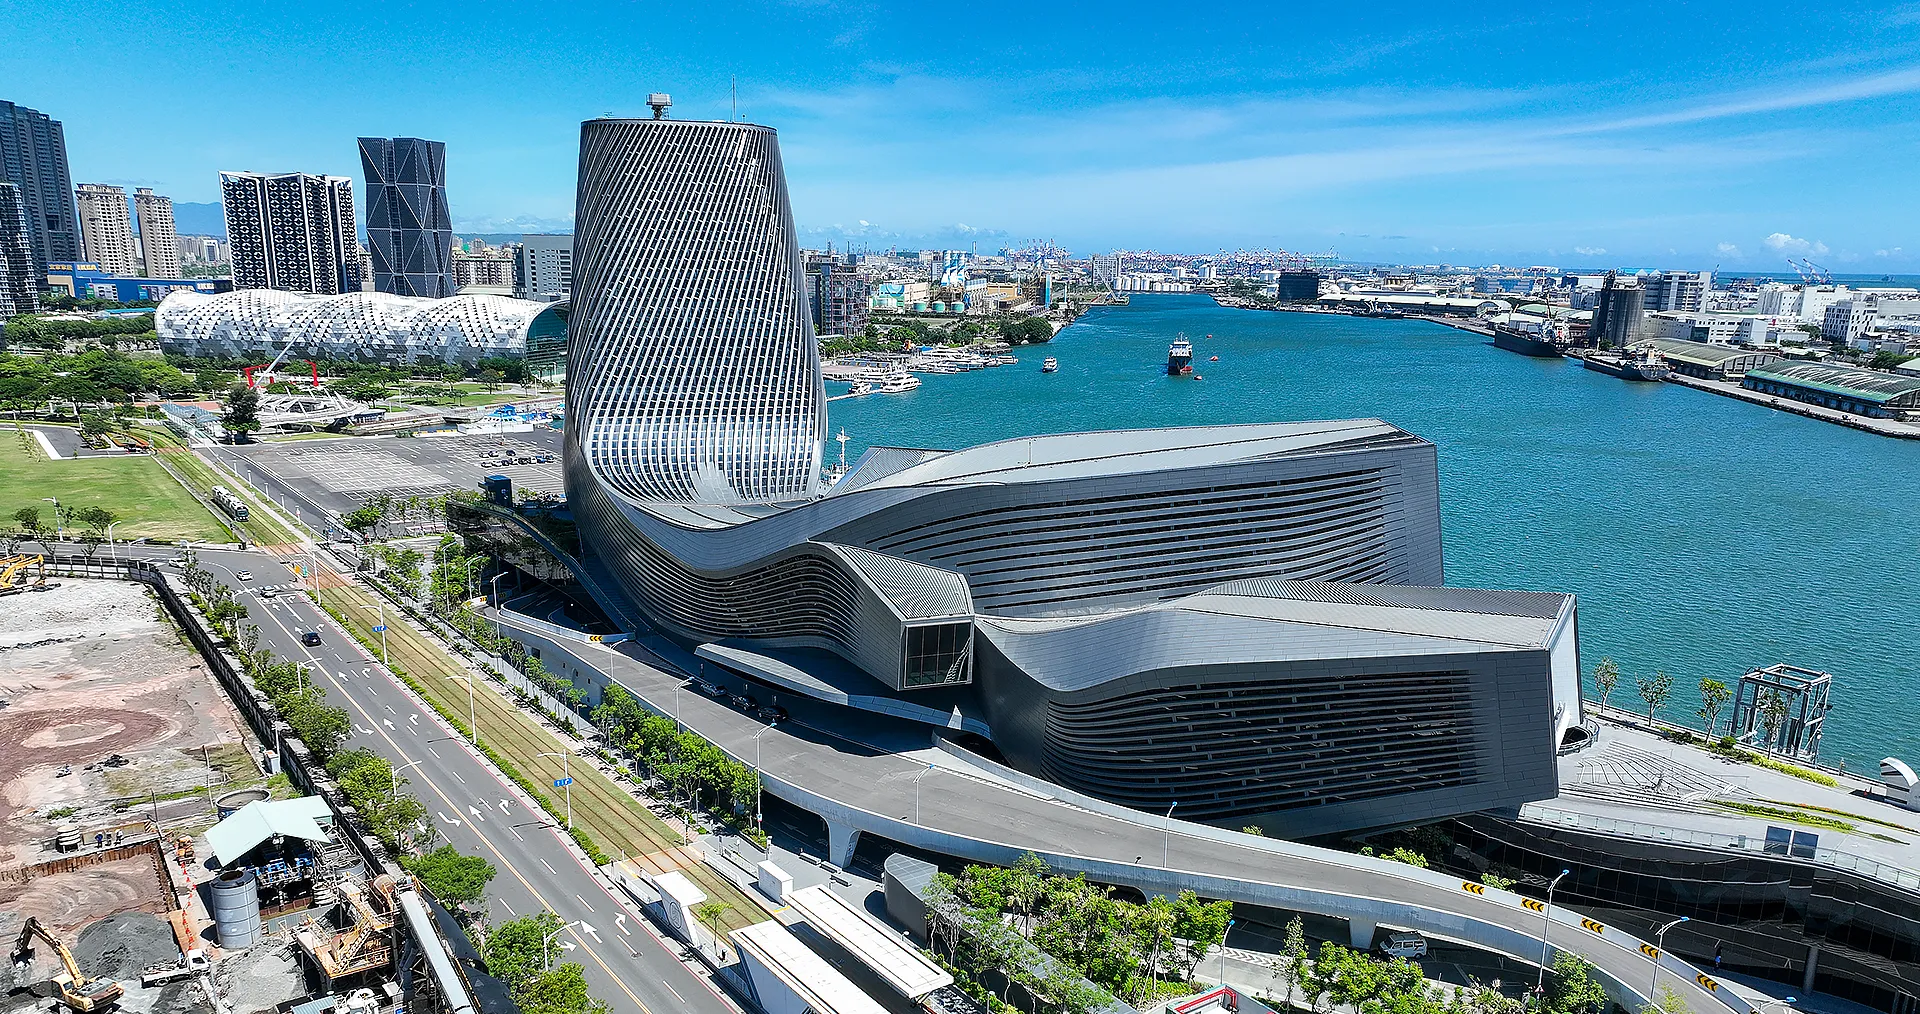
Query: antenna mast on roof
column 659, row 101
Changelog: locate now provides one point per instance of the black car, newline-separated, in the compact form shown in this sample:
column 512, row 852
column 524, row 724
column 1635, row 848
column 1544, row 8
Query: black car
column 310, row 638
column 773, row 713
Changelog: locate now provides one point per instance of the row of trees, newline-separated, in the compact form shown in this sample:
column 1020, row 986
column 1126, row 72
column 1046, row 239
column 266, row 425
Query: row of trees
column 520, row 954
column 690, row 766
column 1656, row 690
column 994, row 924
column 27, row 331
column 93, row 377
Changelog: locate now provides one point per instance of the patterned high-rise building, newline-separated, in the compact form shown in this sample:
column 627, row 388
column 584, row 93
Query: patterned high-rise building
column 544, row 267
column 159, row 247
column 693, row 375
column 408, row 230
column 33, row 156
column 106, row 233
column 291, row 231
column 19, row 286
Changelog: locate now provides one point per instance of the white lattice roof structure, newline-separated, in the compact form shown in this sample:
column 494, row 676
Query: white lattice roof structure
column 364, row 326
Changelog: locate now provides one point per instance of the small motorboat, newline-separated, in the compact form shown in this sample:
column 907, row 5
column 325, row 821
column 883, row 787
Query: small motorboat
column 1213, row 359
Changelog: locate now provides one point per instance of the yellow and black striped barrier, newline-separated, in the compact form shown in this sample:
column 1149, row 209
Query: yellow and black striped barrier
column 1650, row 951
column 1532, row 905
column 1590, row 925
column 1707, row 984
column 1472, row 888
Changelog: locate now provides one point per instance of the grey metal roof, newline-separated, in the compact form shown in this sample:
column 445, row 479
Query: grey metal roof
column 1850, row 381
column 879, row 462
column 1278, row 621
column 1703, row 353
column 916, row 590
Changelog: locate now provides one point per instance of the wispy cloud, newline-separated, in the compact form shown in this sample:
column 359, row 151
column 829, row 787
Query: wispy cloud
column 1781, row 242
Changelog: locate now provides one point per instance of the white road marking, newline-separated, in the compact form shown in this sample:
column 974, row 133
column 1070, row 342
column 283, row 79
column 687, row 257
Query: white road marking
column 413, row 730
column 509, row 908
column 455, row 821
column 516, row 834
column 675, row 992
column 414, row 718
column 388, row 722
column 457, row 777
column 620, row 923
column 475, row 811
column 363, row 731
column 435, row 753
column 550, row 869
column 583, row 901
column 590, row 930
column 503, row 806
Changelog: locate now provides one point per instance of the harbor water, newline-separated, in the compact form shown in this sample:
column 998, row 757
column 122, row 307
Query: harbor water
column 1703, row 535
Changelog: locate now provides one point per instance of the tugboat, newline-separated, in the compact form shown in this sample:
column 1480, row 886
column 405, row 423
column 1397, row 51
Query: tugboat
column 1049, row 365
column 1180, row 357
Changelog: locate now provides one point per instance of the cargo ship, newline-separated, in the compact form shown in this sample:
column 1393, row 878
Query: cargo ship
column 1180, row 357
column 1632, row 364
column 1537, row 346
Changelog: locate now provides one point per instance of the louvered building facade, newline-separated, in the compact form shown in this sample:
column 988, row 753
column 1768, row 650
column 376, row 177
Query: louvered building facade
column 1247, row 620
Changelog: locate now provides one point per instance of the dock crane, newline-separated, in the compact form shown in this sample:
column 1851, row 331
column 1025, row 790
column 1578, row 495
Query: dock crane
column 77, row 991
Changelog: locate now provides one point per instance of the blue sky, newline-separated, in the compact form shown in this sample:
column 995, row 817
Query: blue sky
column 1671, row 134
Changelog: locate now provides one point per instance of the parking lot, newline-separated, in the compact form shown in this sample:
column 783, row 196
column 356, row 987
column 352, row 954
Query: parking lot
column 338, row 475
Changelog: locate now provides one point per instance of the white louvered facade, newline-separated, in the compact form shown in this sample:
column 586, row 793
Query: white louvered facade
column 693, row 372
column 373, row 327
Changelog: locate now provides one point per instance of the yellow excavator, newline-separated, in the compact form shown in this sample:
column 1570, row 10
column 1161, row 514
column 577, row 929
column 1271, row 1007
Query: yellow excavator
column 76, row 990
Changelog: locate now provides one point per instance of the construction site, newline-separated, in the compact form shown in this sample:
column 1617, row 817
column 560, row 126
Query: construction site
column 147, row 861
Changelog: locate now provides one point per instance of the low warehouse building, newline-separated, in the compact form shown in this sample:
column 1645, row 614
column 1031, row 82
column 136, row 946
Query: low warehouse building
column 1852, row 389
column 1727, row 363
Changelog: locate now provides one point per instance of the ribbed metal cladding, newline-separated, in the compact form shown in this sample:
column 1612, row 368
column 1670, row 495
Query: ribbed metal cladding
column 1289, row 740
column 693, row 376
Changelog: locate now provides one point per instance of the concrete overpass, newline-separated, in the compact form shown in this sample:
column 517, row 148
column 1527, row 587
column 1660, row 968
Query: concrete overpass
column 946, row 802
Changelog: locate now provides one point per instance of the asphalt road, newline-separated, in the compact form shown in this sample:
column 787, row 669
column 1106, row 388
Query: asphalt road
column 627, row 963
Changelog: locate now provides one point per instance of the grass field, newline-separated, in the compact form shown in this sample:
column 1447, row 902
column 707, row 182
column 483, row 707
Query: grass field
column 618, row 823
column 261, row 529
column 133, row 487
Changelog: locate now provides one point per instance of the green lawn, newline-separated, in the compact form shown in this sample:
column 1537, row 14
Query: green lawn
column 134, row 487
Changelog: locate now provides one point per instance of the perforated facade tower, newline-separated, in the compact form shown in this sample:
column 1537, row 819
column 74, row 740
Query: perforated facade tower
column 693, row 375
column 291, row 231
column 408, row 231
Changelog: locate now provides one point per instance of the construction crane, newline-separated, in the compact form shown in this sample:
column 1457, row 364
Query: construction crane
column 76, row 990
column 268, row 372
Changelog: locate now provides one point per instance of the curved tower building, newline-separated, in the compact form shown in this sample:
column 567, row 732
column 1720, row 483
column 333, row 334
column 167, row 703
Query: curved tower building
column 693, row 376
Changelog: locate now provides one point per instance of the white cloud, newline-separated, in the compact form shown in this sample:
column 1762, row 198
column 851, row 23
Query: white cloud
column 1728, row 250
column 1784, row 243
column 1589, row 251
column 1887, row 253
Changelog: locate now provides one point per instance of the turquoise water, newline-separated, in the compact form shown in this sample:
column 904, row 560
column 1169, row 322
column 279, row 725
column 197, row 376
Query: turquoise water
column 1703, row 535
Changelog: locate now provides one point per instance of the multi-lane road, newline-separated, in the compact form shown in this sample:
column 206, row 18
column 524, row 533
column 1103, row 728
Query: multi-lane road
column 468, row 802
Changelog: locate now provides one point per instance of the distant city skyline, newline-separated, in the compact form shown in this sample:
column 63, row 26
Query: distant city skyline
column 1652, row 135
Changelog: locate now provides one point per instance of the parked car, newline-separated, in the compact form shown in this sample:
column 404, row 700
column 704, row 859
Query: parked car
column 1404, row 945
column 710, row 689
column 773, row 713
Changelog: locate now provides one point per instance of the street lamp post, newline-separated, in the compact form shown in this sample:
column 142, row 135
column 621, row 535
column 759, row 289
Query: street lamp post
column 1223, row 952
column 1166, row 845
column 395, row 792
column 1546, row 926
column 59, row 530
column 496, row 605
column 756, row 773
column 112, row 553
column 916, row 793
column 566, row 781
column 1660, row 944
column 546, row 941
column 473, row 726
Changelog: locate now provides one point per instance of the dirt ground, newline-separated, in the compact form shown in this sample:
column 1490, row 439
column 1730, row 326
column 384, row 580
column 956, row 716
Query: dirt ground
column 88, row 670
column 64, row 902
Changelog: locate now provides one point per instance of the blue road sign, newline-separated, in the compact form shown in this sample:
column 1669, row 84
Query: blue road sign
column 381, row 629
column 561, row 783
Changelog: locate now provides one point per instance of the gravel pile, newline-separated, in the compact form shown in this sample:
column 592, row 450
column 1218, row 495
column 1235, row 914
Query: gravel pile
column 122, row 946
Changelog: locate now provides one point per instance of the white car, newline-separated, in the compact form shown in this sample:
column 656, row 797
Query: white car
column 267, row 593
column 244, row 575
column 1404, row 945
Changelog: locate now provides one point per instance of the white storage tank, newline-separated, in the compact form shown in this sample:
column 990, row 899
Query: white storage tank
column 236, row 909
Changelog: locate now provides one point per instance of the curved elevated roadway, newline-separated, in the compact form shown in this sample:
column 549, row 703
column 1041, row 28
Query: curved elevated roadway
column 973, row 813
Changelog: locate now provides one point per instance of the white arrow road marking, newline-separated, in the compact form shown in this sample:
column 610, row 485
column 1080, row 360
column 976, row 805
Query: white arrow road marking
column 503, row 807
column 589, row 928
column 475, row 811
column 455, row 821
column 415, row 719
column 549, row 866
column 567, row 945
column 388, row 722
column 620, row 923
column 363, row 731
column 583, row 901
column 363, row 674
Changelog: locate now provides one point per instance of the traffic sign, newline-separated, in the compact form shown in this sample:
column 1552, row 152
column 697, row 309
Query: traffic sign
column 561, row 783
column 381, row 629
